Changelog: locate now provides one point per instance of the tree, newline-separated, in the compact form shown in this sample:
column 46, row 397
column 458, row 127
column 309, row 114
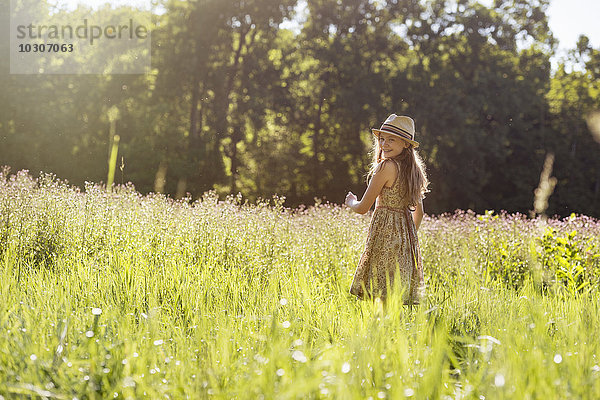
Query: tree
column 572, row 97
column 473, row 94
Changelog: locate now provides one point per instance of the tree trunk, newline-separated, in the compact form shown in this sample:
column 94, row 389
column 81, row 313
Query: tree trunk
column 234, row 161
column 236, row 135
column 316, row 143
column 194, row 107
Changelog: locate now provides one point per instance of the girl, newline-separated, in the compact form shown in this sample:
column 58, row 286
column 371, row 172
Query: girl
column 399, row 184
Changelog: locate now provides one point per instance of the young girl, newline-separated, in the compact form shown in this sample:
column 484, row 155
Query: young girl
column 399, row 184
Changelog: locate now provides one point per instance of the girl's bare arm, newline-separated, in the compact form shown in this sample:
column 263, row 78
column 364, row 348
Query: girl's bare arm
column 380, row 178
column 418, row 214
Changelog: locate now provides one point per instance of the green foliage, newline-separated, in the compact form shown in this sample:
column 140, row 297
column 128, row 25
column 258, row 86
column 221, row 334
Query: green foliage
column 573, row 263
column 154, row 298
column 505, row 255
column 232, row 93
column 506, row 263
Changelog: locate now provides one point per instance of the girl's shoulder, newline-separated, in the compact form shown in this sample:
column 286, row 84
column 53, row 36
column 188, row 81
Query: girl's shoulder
column 388, row 169
column 386, row 165
column 389, row 164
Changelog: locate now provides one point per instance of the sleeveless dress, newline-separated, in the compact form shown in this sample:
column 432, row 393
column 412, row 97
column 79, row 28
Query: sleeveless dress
column 392, row 248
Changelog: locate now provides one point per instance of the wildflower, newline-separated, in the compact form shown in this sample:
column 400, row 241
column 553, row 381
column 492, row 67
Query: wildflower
column 499, row 380
column 299, row 356
column 558, row 358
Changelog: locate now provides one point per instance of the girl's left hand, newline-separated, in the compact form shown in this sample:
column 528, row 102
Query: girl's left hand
column 350, row 199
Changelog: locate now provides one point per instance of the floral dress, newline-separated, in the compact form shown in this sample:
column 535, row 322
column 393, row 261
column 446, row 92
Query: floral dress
column 392, row 248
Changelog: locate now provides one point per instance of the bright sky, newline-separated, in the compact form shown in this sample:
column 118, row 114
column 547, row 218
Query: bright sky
column 570, row 18
column 567, row 18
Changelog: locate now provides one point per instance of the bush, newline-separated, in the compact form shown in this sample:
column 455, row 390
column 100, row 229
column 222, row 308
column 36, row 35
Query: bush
column 568, row 261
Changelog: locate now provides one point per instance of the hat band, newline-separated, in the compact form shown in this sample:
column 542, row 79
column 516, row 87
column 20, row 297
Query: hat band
column 397, row 130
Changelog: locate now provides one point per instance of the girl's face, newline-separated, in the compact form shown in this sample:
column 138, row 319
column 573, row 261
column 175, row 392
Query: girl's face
column 391, row 145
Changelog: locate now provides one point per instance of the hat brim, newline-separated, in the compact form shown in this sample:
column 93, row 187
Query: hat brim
column 375, row 131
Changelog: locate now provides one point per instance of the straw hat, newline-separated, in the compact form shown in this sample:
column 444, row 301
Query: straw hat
column 401, row 126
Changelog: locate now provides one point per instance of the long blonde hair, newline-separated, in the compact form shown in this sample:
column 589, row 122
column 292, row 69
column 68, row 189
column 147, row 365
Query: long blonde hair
column 412, row 168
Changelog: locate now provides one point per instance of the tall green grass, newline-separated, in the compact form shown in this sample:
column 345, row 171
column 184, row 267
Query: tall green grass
column 118, row 295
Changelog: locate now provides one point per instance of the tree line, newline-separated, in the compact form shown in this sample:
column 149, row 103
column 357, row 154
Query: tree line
column 236, row 101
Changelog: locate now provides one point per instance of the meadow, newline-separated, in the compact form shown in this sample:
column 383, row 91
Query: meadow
column 111, row 294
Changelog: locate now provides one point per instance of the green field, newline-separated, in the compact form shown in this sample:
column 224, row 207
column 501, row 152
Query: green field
column 119, row 295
